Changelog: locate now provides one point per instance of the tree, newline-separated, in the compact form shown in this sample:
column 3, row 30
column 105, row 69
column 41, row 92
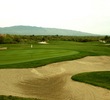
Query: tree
column 107, row 39
column 1, row 39
column 8, row 39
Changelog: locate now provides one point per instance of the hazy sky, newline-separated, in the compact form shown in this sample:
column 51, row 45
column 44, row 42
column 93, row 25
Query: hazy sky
column 83, row 15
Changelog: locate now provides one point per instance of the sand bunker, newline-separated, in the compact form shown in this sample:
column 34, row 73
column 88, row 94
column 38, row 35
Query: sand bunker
column 43, row 42
column 53, row 82
column 3, row 48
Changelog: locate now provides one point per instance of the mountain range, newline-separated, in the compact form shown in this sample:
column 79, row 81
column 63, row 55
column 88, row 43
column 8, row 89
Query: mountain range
column 32, row 30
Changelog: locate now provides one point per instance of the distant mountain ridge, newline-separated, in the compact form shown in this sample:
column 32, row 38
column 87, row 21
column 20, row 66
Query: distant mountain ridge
column 32, row 30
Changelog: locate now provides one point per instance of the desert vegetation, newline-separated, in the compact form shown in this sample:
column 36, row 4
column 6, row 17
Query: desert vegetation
column 15, row 39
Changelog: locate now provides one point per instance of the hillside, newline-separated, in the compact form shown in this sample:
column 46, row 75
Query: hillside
column 32, row 30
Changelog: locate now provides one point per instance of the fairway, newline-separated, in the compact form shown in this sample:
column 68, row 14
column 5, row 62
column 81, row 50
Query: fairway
column 23, row 56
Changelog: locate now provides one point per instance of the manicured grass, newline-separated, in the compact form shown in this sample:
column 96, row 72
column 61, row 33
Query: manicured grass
column 23, row 53
column 2, row 97
column 22, row 56
column 100, row 78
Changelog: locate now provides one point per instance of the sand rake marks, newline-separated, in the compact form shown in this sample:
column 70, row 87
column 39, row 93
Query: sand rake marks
column 50, row 86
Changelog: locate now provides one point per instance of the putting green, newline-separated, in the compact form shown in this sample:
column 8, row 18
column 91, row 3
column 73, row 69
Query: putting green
column 23, row 55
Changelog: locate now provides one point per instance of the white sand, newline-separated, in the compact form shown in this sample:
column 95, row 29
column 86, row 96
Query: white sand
column 53, row 82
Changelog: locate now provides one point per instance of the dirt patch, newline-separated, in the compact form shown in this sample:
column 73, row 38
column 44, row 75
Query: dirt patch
column 53, row 82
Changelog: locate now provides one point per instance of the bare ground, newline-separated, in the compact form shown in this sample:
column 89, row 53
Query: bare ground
column 53, row 81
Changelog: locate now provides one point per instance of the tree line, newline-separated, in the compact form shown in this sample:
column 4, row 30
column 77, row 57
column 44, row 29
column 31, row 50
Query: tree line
column 14, row 39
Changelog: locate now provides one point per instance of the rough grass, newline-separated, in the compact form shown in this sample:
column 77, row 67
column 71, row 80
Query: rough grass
column 99, row 78
column 2, row 97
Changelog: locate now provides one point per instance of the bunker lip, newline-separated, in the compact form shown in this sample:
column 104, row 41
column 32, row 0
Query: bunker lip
column 53, row 81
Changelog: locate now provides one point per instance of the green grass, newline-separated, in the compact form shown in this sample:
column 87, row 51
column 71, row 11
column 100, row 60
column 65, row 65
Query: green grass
column 17, row 56
column 2, row 97
column 22, row 56
column 100, row 78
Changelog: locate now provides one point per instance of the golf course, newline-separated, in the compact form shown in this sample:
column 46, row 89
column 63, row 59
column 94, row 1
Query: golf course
column 58, row 70
column 54, row 49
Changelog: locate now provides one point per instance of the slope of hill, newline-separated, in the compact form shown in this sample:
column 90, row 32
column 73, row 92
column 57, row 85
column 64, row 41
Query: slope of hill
column 32, row 30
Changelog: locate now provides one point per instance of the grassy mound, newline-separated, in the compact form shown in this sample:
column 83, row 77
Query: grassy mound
column 100, row 78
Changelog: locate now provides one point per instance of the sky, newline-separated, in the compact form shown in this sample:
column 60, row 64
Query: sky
column 91, row 16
